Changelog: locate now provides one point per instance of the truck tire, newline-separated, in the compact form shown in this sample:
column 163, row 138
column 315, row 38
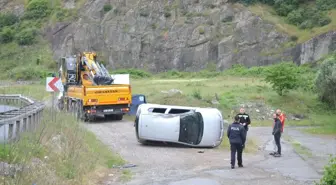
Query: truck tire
column 79, row 111
column 119, row 117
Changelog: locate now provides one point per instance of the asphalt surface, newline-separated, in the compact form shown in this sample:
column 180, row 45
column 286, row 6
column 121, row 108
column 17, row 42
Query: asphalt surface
column 175, row 165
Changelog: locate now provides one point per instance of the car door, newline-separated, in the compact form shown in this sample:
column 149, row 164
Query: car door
column 159, row 126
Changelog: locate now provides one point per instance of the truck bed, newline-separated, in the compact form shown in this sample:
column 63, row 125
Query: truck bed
column 101, row 95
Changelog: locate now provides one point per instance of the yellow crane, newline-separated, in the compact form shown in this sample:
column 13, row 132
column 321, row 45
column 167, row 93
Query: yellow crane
column 89, row 90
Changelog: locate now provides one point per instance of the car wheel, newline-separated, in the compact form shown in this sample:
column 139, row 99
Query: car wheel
column 144, row 142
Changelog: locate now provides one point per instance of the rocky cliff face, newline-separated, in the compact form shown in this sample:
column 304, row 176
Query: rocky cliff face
column 178, row 34
column 164, row 35
column 315, row 48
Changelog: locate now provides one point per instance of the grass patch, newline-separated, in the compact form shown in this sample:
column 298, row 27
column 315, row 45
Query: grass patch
column 303, row 151
column 62, row 149
column 126, row 175
column 328, row 130
column 36, row 91
column 268, row 14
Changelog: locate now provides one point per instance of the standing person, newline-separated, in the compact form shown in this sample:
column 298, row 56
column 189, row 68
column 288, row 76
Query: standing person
column 282, row 118
column 244, row 119
column 277, row 134
column 237, row 137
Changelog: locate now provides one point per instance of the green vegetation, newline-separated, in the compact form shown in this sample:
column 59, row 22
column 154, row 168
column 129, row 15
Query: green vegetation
column 283, row 77
column 24, row 55
column 63, row 149
column 301, row 13
column 326, row 80
column 329, row 176
column 283, row 24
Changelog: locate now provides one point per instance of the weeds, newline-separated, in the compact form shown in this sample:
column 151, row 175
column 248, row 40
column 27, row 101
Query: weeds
column 63, row 149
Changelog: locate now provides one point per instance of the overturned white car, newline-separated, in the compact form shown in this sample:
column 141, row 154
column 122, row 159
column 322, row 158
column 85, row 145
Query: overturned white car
column 192, row 126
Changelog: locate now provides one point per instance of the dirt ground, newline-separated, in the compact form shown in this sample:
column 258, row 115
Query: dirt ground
column 173, row 165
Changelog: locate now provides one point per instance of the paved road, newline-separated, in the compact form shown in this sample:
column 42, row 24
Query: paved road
column 166, row 165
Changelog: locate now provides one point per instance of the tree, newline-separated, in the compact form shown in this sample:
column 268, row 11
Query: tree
column 326, row 81
column 283, row 77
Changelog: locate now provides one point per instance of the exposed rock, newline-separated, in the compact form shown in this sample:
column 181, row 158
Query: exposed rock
column 9, row 169
column 172, row 92
column 315, row 48
column 215, row 102
column 142, row 35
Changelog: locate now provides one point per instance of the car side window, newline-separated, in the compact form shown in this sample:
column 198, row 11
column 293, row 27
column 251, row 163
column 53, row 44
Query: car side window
column 157, row 110
column 178, row 111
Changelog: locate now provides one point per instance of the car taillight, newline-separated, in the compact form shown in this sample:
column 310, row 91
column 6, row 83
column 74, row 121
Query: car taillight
column 121, row 99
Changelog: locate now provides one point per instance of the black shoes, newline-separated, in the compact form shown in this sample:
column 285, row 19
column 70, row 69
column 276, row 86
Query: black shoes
column 239, row 165
column 277, row 155
column 272, row 153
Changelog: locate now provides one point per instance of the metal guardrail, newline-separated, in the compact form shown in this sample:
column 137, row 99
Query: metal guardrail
column 15, row 121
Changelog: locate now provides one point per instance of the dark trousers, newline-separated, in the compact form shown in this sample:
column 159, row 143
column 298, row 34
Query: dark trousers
column 277, row 142
column 246, row 129
column 236, row 148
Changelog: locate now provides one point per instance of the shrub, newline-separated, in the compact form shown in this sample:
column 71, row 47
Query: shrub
column 37, row 9
column 7, row 19
column 27, row 73
column 296, row 17
column 329, row 176
column 326, row 80
column 26, row 36
column 326, row 4
column 6, row 35
column 107, row 7
column 283, row 77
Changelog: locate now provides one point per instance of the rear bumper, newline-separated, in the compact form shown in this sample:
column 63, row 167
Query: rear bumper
column 107, row 109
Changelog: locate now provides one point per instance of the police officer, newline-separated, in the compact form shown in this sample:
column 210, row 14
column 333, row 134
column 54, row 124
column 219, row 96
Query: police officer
column 244, row 119
column 237, row 137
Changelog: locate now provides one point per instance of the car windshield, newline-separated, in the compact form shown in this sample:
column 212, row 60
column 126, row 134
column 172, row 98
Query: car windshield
column 191, row 127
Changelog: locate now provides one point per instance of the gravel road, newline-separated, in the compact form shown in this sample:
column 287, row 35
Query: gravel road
column 173, row 165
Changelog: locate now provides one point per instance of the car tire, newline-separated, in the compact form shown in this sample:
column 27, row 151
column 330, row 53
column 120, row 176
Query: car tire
column 144, row 142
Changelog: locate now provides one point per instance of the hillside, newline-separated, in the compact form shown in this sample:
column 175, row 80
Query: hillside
column 157, row 36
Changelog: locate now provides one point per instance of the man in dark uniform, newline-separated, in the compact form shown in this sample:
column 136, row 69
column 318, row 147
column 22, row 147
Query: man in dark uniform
column 236, row 135
column 244, row 119
column 277, row 134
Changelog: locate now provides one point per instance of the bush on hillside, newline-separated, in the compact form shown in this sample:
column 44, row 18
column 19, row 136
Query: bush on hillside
column 7, row 19
column 326, row 4
column 283, row 77
column 6, row 35
column 329, row 176
column 326, row 81
column 37, row 9
column 26, row 36
column 27, row 73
